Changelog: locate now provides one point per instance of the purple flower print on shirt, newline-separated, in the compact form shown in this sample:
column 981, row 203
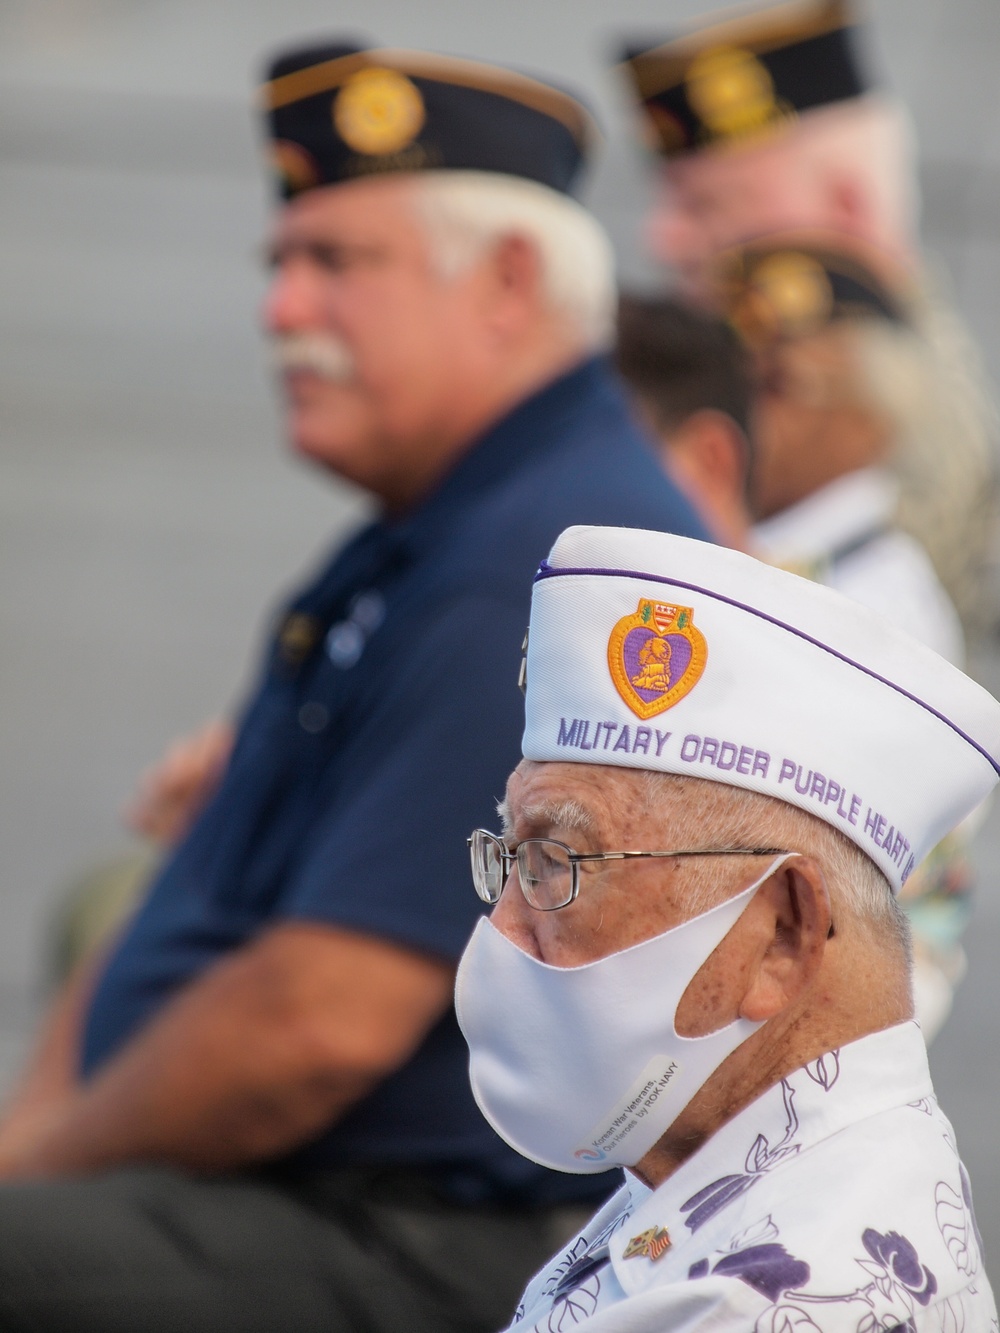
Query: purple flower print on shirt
column 769, row 1269
column 576, row 1307
column 826, row 1070
column 761, row 1158
column 707, row 1202
column 897, row 1283
column 897, row 1256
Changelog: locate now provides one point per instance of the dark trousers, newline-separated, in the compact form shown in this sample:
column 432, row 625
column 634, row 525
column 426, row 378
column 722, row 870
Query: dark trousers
column 149, row 1250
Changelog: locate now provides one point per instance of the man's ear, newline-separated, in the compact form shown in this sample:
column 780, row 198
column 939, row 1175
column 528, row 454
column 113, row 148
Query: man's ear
column 517, row 278
column 792, row 925
column 847, row 202
column 710, row 447
column 707, row 455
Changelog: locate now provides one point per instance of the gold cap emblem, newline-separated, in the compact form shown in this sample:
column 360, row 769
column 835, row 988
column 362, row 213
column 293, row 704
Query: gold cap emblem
column 732, row 92
column 788, row 294
column 378, row 111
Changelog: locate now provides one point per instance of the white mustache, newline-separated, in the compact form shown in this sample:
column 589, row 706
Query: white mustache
column 321, row 353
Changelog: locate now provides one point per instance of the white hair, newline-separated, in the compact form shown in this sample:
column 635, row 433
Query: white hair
column 738, row 817
column 929, row 383
column 467, row 212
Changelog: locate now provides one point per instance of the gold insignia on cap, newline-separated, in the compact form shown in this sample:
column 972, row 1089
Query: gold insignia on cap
column 296, row 167
column 378, row 111
column 786, row 295
column 732, row 92
column 651, row 1244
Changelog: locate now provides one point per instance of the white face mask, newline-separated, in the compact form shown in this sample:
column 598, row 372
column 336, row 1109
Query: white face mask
column 582, row 1068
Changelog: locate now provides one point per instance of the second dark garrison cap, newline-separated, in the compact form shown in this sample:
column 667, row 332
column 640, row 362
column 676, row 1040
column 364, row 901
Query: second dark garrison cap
column 747, row 75
column 791, row 285
column 339, row 112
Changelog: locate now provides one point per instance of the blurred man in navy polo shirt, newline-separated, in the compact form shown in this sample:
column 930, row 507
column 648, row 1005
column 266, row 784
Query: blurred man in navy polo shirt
column 254, row 1112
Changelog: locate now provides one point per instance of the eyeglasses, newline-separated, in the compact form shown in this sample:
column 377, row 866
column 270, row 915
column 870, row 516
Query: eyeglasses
column 548, row 871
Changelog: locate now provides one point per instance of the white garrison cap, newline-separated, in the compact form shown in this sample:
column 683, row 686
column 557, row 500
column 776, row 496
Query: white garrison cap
column 648, row 650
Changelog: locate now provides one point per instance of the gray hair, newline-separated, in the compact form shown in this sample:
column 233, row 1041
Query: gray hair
column 467, row 212
column 727, row 816
column 929, row 383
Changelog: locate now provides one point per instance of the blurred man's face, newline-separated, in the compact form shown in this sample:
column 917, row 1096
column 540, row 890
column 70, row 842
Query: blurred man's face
column 813, row 420
column 713, row 200
column 375, row 348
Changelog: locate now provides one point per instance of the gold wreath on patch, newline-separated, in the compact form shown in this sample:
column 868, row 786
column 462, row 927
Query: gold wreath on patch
column 656, row 656
column 732, row 92
column 378, row 111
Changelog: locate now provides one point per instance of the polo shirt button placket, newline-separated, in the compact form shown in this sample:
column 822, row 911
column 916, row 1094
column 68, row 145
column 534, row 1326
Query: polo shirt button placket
column 313, row 717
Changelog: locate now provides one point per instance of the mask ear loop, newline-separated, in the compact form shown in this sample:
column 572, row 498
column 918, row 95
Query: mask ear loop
column 744, row 898
column 705, row 1053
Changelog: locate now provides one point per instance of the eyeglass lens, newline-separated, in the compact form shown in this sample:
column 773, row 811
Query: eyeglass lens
column 546, row 874
column 488, row 871
column 544, row 870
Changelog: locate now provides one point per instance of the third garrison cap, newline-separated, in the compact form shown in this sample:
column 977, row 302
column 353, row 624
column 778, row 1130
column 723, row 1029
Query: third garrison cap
column 790, row 284
column 340, row 112
column 746, row 75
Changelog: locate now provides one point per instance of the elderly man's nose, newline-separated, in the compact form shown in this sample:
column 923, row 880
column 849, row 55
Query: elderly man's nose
column 290, row 303
column 513, row 917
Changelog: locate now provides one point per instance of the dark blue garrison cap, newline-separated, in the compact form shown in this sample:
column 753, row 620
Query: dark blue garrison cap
column 343, row 112
column 791, row 284
column 728, row 80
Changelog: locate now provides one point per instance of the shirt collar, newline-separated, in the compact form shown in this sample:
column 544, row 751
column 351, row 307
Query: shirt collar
column 531, row 428
column 837, row 513
column 534, row 427
column 874, row 1074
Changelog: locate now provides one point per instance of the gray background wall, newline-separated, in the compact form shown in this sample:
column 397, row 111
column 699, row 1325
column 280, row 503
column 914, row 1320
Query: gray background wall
column 147, row 514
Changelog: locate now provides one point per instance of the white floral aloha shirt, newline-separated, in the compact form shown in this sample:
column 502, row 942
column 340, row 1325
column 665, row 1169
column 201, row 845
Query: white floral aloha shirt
column 835, row 1203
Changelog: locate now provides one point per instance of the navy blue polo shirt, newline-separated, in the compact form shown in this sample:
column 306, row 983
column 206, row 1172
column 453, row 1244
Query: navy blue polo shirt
column 384, row 726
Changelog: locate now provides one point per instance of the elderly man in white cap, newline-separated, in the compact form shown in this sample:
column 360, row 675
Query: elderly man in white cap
column 696, row 968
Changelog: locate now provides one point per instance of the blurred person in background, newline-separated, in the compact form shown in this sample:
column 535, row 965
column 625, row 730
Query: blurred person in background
column 766, row 122
column 691, row 379
column 823, row 329
column 252, row 1109
column 811, row 328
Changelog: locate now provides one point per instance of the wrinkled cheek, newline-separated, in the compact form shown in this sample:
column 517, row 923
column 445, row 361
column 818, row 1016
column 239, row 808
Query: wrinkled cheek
column 574, row 935
column 698, row 1004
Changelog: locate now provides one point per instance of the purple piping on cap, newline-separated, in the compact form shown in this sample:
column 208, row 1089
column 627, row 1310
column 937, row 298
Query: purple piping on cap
column 545, row 571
